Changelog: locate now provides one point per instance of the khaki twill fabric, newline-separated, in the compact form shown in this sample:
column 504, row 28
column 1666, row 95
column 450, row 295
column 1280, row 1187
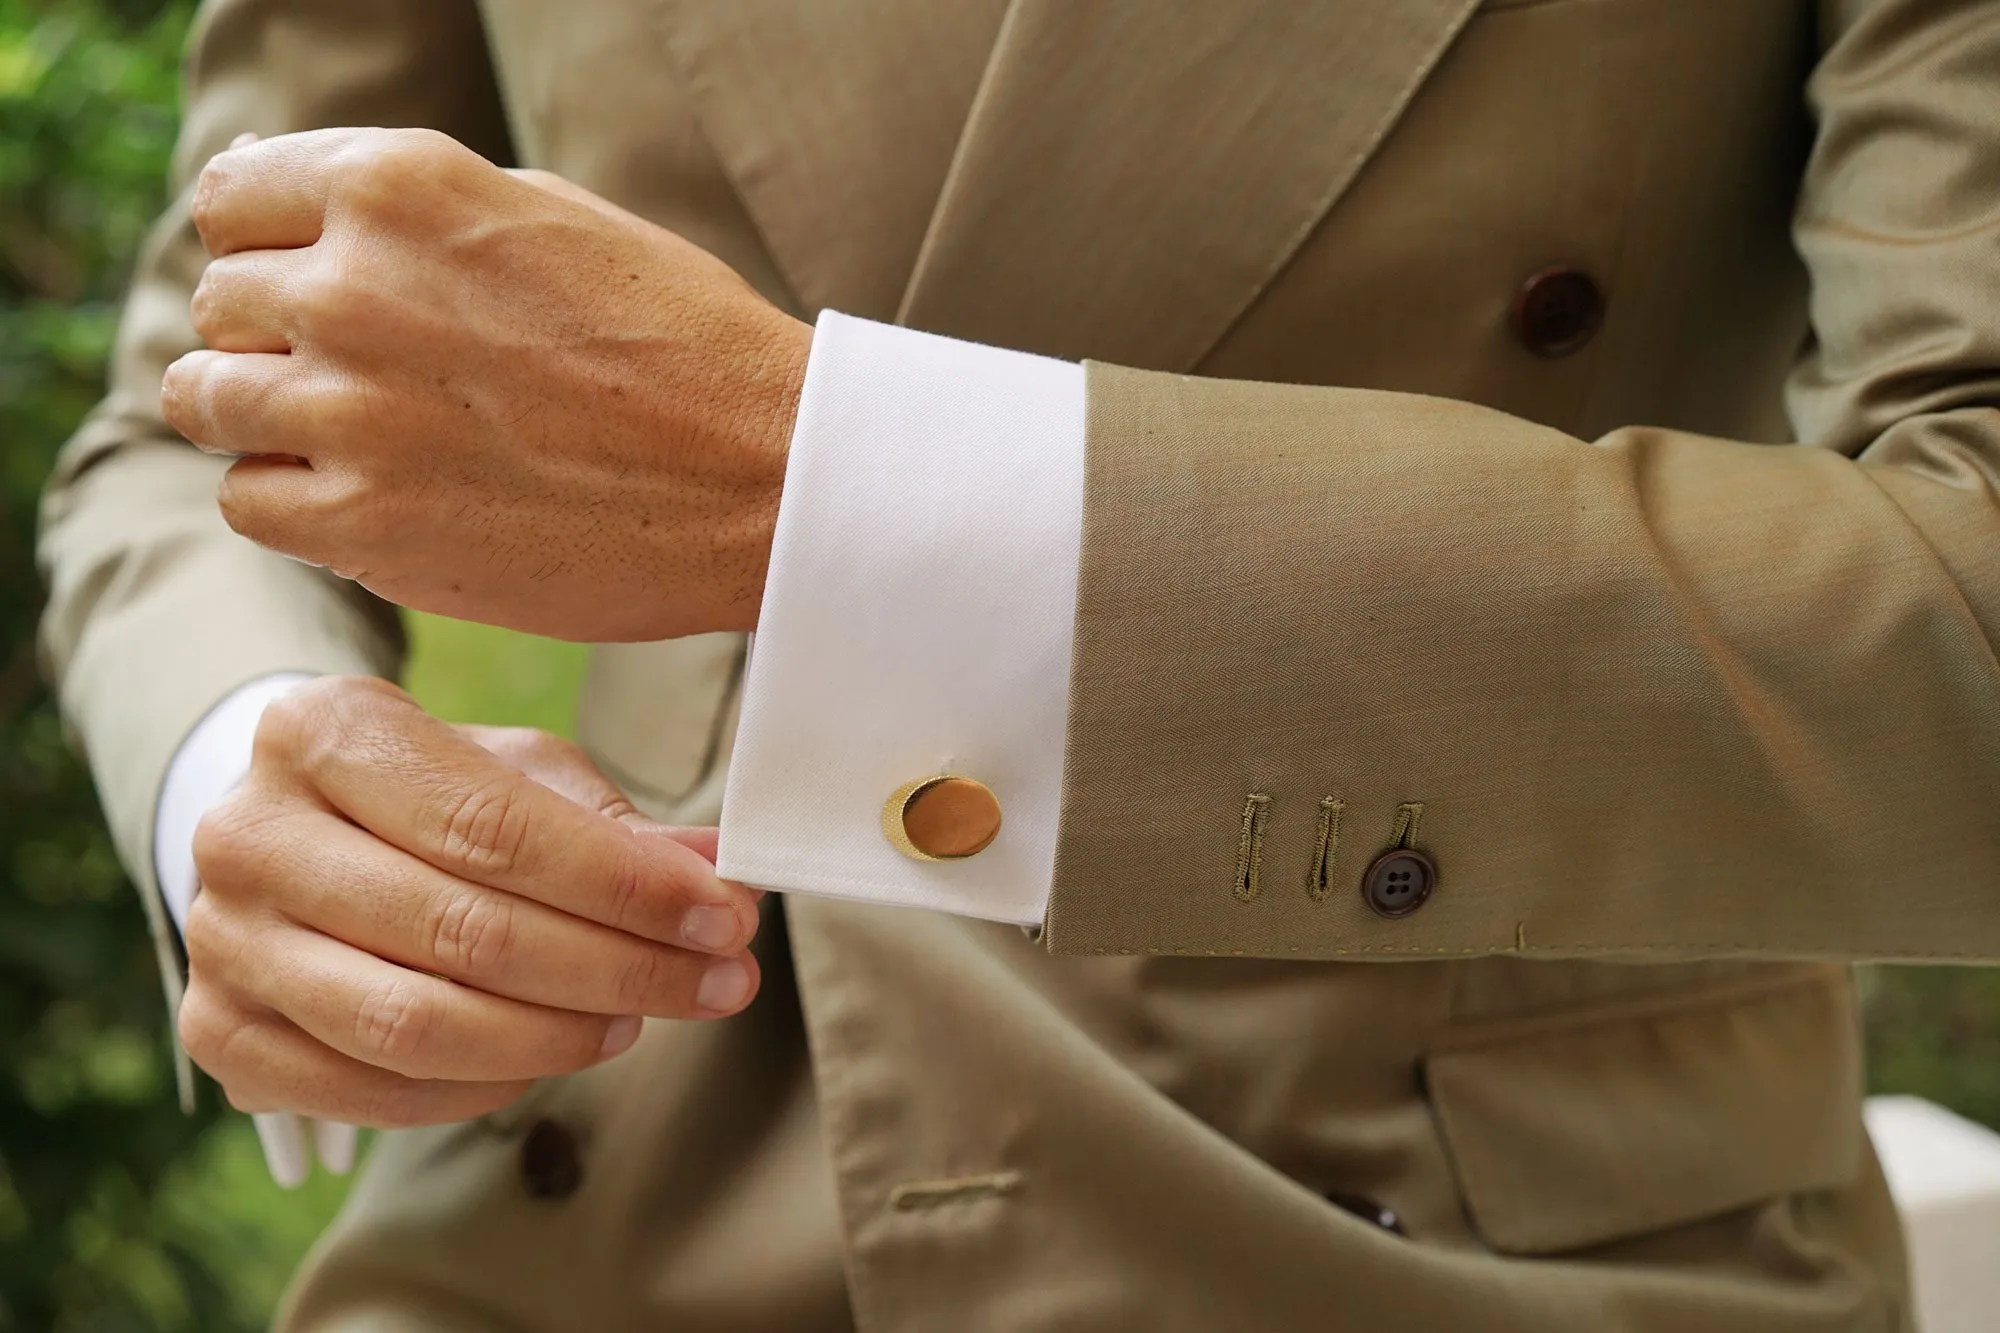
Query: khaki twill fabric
column 1716, row 700
column 1682, row 694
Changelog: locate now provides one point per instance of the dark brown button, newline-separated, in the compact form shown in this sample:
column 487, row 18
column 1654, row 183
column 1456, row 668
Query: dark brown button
column 551, row 1166
column 1399, row 881
column 1557, row 311
column 1368, row 1211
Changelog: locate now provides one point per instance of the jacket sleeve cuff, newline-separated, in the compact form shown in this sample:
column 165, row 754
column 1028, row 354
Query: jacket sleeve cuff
column 916, row 622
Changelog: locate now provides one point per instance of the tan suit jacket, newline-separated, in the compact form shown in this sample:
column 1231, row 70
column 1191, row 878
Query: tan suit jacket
column 1693, row 716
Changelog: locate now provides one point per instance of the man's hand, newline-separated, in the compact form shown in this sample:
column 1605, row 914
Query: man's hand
column 484, row 396
column 403, row 922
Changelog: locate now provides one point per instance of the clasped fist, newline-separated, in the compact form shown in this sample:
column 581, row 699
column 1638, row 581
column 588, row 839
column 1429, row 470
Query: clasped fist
column 404, row 922
column 483, row 393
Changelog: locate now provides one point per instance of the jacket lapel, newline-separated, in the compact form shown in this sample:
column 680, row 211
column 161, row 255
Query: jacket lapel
column 836, row 123
column 1133, row 175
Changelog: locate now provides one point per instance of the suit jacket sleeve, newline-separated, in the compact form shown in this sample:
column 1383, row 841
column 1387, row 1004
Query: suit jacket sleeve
column 157, row 610
column 1657, row 695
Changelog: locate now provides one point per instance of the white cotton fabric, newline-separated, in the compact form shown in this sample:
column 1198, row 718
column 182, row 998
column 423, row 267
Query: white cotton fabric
column 917, row 620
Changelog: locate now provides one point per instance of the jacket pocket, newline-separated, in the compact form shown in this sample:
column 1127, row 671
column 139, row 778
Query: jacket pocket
column 1574, row 1133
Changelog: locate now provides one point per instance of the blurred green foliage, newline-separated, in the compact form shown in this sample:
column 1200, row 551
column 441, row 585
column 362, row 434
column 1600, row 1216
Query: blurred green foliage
column 116, row 1211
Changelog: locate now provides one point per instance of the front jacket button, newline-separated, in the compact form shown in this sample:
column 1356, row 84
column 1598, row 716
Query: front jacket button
column 551, row 1166
column 1557, row 311
column 1368, row 1211
column 1399, row 882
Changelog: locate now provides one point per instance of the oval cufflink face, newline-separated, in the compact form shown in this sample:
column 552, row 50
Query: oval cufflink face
column 944, row 818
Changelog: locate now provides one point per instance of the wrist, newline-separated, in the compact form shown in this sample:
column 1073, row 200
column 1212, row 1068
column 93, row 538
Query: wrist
column 771, row 392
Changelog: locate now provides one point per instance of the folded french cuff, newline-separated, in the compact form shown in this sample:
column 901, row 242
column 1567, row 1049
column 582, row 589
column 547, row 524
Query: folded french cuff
column 917, row 623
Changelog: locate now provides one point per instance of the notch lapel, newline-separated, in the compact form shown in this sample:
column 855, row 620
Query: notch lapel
column 836, row 123
column 1133, row 175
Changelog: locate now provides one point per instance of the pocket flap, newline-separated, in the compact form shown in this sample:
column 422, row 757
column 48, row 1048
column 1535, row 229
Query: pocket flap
column 1577, row 1134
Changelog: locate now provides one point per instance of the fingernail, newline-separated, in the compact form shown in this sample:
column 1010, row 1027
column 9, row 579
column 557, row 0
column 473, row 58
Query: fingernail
column 618, row 1038
column 244, row 140
column 724, row 987
column 713, row 928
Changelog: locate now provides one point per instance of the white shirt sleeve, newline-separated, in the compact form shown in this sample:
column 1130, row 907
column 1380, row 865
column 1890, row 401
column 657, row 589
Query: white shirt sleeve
column 210, row 762
column 917, row 620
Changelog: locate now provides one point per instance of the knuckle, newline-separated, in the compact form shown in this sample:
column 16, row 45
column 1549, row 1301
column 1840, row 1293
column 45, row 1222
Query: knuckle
column 198, row 1024
column 212, row 1033
column 199, row 935
column 206, row 388
column 203, row 309
column 379, row 172
column 323, row 299
column 343, row 716
column 244, row 516
column 472, row 933
column 211, row 937
column 393, row 1023
column 351, row 508
column 486, row 828
column 420, row 147
column 300, row 728
column 181, row 395
column 286, row 724
column 220, row 842
column 242, row 854
column 208, row 187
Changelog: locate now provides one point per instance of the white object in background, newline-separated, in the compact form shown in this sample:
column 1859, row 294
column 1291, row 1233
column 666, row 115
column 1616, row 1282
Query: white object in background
column 1944, row 1172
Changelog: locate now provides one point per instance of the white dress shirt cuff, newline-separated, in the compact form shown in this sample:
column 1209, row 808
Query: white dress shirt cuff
column 917, row 620
column 209, row 764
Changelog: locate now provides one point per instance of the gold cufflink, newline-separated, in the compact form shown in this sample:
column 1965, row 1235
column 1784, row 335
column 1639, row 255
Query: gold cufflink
column 941, row 818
